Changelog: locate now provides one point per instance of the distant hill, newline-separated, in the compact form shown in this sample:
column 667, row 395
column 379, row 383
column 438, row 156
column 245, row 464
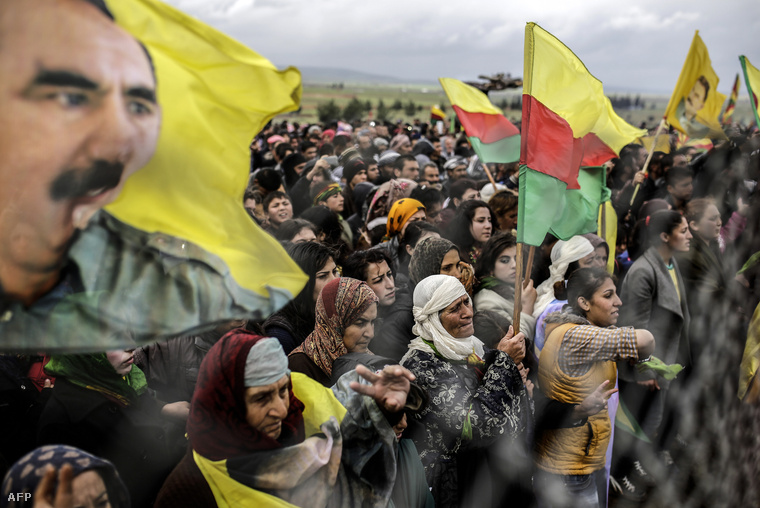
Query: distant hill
column 328, row 75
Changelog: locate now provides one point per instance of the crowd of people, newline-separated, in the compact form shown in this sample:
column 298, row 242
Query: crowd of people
column 396, row 377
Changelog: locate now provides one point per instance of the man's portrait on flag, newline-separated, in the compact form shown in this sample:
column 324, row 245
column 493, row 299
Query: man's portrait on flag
column 691, row 105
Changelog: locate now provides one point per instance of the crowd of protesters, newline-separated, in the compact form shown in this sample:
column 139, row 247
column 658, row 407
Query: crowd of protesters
column 396, row 377
column 408, row 242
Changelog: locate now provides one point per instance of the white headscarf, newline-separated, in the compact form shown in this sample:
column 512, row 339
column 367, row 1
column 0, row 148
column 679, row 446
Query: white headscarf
column 563, row 253
column 431, row 296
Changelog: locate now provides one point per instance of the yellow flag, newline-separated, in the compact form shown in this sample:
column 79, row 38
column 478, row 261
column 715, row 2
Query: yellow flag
column 661, row 145
column 216, row 95
column 696, row 103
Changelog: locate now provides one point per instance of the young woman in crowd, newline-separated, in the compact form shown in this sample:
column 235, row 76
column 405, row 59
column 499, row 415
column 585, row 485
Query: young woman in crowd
column 294, row 322
column 495, row 274
column 346, row 311
column 434, row 256
column 580, row 352
column 704, row 274
column 475, row 394
column 504, row 206
column 415, row 233
column 296, row 231
column 655, row 299
column 471, row 228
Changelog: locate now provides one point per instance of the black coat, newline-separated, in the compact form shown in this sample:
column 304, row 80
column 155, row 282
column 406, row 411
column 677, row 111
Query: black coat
column 132, row 437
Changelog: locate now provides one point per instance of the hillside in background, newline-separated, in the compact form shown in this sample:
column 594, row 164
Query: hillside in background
column 327, row 75
column 394, row 99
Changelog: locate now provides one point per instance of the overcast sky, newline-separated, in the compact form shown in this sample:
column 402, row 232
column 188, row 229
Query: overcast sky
column 637, row 46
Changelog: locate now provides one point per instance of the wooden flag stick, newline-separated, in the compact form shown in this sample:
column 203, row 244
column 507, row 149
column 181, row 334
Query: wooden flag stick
column 518, row 288
column 528, row 266
column 663, row 123
column 490, row 176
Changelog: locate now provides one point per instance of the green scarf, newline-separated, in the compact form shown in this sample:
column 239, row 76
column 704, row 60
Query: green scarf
column 94, row 372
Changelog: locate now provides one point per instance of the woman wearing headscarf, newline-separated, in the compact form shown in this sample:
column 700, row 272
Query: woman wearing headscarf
column 261, row 436
column 404, row 212
column 435, row 255
column 100, row 403
column 346, row 310
column 34, row 479
column 476, row 394
column 564, row 254
column 387, row 194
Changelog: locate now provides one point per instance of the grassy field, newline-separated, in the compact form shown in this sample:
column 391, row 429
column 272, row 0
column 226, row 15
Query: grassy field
column 427, row 95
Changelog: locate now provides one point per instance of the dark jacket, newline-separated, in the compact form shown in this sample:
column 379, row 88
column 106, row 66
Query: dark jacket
column 131, row 437
column 650, row 302
column 393, row 331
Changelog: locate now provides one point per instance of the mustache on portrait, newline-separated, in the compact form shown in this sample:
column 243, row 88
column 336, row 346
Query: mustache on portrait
column 102, row 175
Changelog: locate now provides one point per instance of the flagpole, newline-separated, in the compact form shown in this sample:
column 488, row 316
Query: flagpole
column 529, row 265
column 663, row 123
column 490, row 177
column 518, row 288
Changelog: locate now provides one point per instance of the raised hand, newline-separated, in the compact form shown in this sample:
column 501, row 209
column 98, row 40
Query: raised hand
column 389, row 387
column 47, row 496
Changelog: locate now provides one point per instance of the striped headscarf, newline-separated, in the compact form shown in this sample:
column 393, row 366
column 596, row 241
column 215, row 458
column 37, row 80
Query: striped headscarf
column 401, row 211
column 339, row 305
column 330, row 190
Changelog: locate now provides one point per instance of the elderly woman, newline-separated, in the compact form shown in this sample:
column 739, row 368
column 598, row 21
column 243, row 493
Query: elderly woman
column 38, row 478
column 475, row 394
column 261, row 436
column 346, row 311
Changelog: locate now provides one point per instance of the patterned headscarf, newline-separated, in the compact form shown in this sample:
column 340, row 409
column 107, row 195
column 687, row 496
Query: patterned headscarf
column 427, row 257
column 25, row 475
column 340, row 304
column 387, row 194
column 329, row 190
column 95, row 372
column 217, row 428
column 401, row 211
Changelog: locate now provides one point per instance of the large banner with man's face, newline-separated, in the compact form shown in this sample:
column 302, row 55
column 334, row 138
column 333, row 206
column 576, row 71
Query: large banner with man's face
column 135, row 104
column 695, row 105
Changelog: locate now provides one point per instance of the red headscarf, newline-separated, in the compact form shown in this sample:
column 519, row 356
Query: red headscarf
column 217, row 427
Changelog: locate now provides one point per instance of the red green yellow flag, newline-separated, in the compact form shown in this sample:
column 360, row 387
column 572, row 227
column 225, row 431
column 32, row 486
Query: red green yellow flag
column 608, row 136
column 729, row 112
column 216, row 95
column 695, row 105
column 752, row 79
column 567, row 122
column 436, row 114
column 492, row 136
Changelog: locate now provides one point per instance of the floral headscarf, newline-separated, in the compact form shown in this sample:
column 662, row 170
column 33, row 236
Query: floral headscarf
column 340, row 304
